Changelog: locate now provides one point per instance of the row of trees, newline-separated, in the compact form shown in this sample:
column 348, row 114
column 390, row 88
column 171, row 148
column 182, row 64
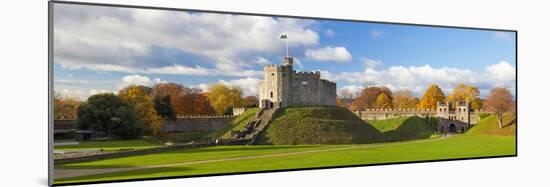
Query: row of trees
column 383, row 97
column 499, row 101
column 138, row 110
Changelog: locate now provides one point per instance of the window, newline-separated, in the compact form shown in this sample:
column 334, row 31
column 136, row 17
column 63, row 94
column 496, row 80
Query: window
column 272, row 74
column 271, row 94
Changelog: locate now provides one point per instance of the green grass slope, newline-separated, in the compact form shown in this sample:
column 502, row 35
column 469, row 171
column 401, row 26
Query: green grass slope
column 404, row 128
column 238, row 123
column 489, row 126
column 318, row 125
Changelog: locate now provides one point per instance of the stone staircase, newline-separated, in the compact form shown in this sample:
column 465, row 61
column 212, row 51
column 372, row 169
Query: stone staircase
column 255, row 127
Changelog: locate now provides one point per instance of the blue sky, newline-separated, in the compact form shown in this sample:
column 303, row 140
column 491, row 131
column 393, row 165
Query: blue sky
column 102, row 49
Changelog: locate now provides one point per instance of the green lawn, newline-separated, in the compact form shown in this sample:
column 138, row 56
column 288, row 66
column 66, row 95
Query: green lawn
column 458, row 146
column 109, row 145
column 193, row 155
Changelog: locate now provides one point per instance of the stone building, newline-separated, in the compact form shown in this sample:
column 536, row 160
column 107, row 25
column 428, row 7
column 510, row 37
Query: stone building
column 283, row 87
column 455, row 116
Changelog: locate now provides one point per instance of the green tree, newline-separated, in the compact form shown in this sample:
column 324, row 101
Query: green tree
column 108, row 113
column 431, row 97
column 140, row 98
column 164, row 108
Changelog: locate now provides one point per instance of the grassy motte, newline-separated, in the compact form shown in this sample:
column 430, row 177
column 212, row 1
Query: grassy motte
column 404, row 128
column 238, row 123
column 489, row 126
column 318, row 125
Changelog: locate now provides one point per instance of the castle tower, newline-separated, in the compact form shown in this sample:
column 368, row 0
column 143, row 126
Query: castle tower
column 274, row 89
column 288, row 61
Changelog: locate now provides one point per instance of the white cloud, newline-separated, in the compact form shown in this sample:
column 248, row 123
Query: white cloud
column 262, row 60
column 503, row 71
column 179, row 70
column 417, row 78
column 329, row 33
column 371, row 63
column 298, row 64
column 136, row 80
column 94, row 91
column 248, row 85
column 336, row 54
column 115, row 39
column 139, row 80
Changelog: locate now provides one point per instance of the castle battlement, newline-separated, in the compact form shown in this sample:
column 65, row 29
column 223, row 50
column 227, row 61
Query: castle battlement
column 284, row 87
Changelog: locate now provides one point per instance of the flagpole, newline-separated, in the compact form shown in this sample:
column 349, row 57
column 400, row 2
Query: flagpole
column 286, row 46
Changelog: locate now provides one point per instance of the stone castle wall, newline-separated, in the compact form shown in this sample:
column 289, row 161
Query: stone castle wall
column 182, row 124
column 196, row 123
column 284, row 87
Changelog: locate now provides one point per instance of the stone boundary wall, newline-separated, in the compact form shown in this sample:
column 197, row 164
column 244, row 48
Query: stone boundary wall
column 119, row 154
column 196, row 123
column 382, row 114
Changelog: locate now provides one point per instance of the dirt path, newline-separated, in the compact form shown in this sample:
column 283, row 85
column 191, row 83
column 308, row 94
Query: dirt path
column 67, row 173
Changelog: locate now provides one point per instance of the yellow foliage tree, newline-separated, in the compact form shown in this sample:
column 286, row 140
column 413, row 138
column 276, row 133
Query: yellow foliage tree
column 431, row 97
column 463, row 92
column 383, row 101
column 140, row 97
column 404, row 99
column 65, row 106
column 222, row 97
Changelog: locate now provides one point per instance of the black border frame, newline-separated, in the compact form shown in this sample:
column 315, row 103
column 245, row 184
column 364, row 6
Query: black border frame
column 50, row 89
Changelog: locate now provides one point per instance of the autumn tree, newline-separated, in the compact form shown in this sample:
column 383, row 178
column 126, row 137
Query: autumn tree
column 340, row 102
column 184, row 100
column 140, row 98
column 65, row 106
column 431, row 97
column 201, row 105
column 251, row 101
column 463, row 92
column 404, row 99
column 109, row 114
column 499, row 102
column 383, row 101
column 368, row 96
column 223, row 98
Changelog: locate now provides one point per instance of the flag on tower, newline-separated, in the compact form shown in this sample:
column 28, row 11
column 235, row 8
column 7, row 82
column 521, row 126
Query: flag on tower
column 283, row 36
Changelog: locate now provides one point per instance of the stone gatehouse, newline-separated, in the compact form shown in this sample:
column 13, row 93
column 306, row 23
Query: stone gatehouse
column 283, row 87
column 455, row 116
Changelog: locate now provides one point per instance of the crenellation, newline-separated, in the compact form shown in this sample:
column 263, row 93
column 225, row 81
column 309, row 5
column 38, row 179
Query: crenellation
column 284, row 87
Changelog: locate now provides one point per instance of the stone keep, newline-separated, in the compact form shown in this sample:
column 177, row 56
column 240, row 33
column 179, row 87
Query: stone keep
column 284, row 87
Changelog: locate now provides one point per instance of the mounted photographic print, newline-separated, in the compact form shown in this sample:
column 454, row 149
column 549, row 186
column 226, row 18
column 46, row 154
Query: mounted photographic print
column 154, row 93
